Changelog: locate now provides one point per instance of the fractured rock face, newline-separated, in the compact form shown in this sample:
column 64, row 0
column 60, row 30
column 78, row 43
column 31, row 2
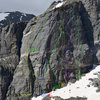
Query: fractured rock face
column 10, row 43
column 60, row 44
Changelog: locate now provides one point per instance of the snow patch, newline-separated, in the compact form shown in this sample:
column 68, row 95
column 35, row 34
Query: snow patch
column 21, row 18
column 58, row 5
column 38, row 98
column 3, row 15
column 28, row 33
column 24, row 14
column 81, row 88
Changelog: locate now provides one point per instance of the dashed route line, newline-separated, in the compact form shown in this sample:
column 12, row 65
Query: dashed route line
column 57, row 39
column 50, row 55
column 39, row 31
column 59, row 34
column 35, row 49
column 54, row 42
column 68, row 43
column 80, row 45
column 49, row 31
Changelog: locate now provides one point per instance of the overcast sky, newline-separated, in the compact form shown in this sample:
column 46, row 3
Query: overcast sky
column 27, row 6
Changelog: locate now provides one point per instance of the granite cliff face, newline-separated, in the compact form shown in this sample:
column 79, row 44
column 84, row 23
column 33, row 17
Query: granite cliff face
column 63, row 41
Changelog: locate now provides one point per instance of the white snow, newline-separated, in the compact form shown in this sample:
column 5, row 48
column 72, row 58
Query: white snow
column 79, row 88
column 28, row 33
column 58, row 5
column 23, row 14
column 21, row 18
column 40, row 97
column 3, row 15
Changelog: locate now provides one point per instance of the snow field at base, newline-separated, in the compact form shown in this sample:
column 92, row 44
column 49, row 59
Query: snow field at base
column 79, row 88
column 3, row 15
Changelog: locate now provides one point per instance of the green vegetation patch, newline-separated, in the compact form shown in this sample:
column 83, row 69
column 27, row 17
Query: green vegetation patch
column 79, row 75
column 33, row 49
column 57, row 87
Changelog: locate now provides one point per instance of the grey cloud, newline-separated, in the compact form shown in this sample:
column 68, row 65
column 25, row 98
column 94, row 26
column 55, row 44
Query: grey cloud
column 27, row 6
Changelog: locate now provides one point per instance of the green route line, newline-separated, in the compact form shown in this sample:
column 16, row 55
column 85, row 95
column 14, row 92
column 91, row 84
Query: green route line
column 39, row 31
column 50, row 55
column 55, row 44
column 56, row 41
column 59, row 35
column 75, row 19
column 51, row 72
column 72, row 14
column 80, row 49
column 48, row 63
column 33, row 49
column 78, row 41
column 64, row 42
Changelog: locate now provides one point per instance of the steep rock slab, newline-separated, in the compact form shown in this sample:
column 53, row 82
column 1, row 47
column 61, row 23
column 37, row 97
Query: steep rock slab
column 57, row 43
